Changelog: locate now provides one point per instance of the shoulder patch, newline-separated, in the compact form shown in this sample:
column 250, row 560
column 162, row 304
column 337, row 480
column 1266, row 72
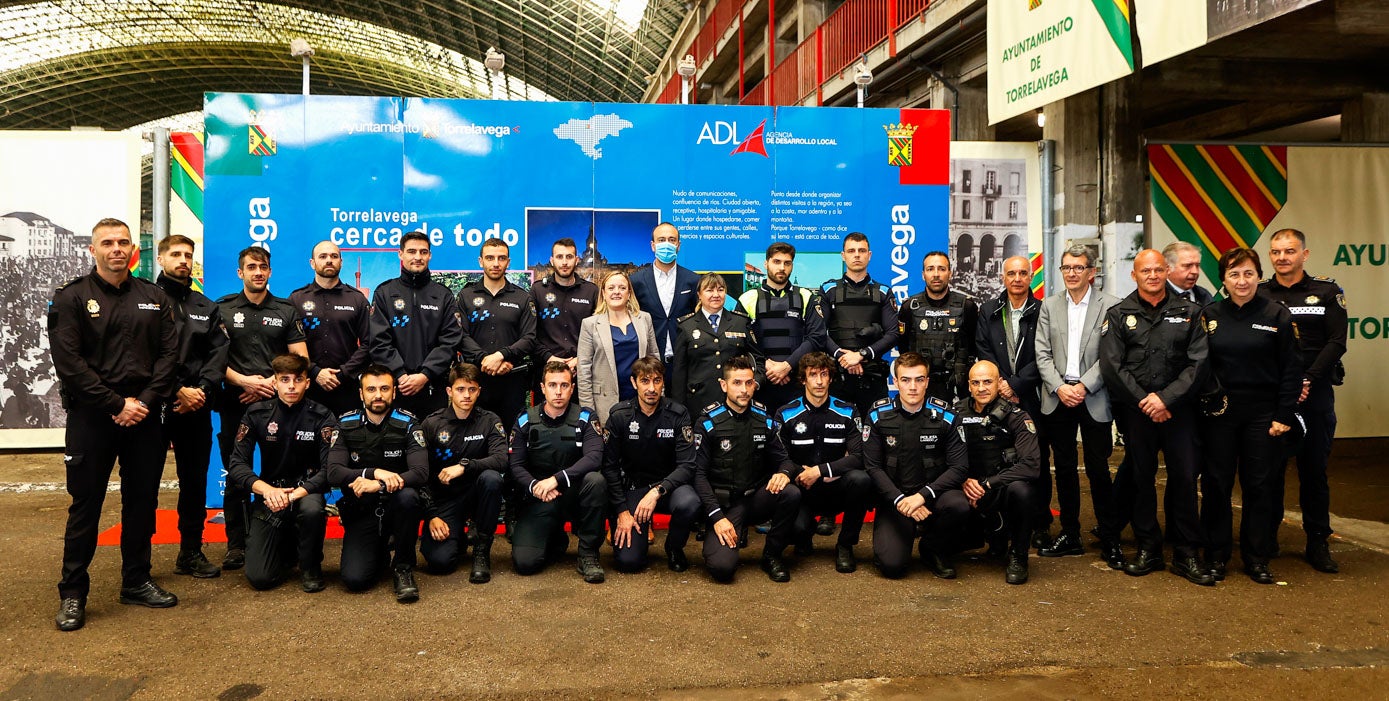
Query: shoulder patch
column 585, row 414
column 792, row 409
column 523, row 420
column 708, row 425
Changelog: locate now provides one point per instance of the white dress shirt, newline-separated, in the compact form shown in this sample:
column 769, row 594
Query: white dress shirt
column 665, row 289
column 1075, row 328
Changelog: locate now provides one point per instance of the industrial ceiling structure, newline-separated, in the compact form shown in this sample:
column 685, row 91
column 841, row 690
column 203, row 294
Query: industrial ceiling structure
column 118, row 64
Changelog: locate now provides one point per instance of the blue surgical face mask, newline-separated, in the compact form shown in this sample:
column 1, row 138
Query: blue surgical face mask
column 665, row 252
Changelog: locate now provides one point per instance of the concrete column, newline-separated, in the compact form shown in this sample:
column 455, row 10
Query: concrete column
column 1366, row 120
column 1074, row 124
column 973, row 114
column 1123, row 194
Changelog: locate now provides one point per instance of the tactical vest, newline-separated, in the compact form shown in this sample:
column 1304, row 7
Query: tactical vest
column 854, row 310
column 736, row 450
column 367, row 448
column 912, row 461
column 988, row 439
column 779, row 321
column 937, row 338
column 550, row 449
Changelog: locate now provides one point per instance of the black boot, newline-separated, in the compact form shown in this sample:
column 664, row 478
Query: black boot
column 588, row 567
column 405, row 590
column 482, row 560
column 194, row 562
column 1319, row 557
column 1016, row 572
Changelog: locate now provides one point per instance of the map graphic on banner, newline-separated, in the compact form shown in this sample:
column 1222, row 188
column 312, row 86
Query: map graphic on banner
column 1219, row 196
column 1041, row 51
column 284, row 172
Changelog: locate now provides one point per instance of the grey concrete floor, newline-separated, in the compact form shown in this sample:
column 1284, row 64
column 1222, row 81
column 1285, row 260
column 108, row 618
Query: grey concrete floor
column 1077, row 630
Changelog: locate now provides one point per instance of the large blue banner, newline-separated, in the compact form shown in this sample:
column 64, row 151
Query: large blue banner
column 284, row 172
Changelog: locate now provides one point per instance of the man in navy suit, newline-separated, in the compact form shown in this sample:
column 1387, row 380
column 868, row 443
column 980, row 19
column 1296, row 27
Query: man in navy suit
column 1183, row 270
column 665, row 290
column 1006, row 335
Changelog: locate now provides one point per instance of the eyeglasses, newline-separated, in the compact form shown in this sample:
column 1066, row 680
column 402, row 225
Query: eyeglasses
column 1075, row 268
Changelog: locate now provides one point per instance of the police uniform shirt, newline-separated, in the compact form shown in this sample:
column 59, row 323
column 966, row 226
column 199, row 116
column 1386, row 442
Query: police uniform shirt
column 736, row 432
column 415, row 326
column 202, row 338
column 829, row 436
column 793, row 307
column 641, row 452
column 1160, row 349
column 525, row 472
column 293, row 440
column 833, row 311
column 701, row 350
column 1002, row 425
column 336, row 322
column 477, row 442
column 110, row 342
column 925, row 322
column 258, row 332
column 559, row 311
column 898, row 445
column 361, row 447
column 503, row 322
column 1318, row 307
column 1254, row 353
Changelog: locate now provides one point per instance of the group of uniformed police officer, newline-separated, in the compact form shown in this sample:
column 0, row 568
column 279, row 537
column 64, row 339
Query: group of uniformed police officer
column 404, row 405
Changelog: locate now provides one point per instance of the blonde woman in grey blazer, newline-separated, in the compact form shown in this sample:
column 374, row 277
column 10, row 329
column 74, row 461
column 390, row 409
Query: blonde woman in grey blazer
column 600, row 382
column 1074, row 398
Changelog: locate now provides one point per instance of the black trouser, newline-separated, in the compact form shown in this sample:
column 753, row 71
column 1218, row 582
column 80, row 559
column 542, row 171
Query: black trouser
column 368, row 526
column 235, row 500
column 424, row 402
column 93, row 444
column 850, row 495
column 505, row 396
column 863, row 391
column 1005, row 513
column 540, row 522
column 894, row 532
column 1176, row 438
column 347, row 397
column 774, row 396
column 757, row 507
column 276, row 541
column 1041, row 487
column 1098, row 444
column 1314, row 495
column 682, row 504
column 191, row 435
column 1238, row 443
column 482, row 500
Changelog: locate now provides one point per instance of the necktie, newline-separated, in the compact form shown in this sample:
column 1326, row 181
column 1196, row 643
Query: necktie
column 714, row 321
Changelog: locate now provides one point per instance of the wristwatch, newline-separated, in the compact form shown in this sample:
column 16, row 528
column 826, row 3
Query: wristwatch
column 660, row 489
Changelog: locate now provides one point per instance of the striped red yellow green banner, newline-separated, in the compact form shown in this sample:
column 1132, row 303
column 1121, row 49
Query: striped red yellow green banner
column 1218, row 197
column 1116, row 17
column 1039, row 275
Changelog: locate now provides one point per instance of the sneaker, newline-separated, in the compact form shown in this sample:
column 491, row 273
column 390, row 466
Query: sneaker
column 235, row 559
column 194, row 562
column 405, row 590
column 72, row 614
column 590, row 569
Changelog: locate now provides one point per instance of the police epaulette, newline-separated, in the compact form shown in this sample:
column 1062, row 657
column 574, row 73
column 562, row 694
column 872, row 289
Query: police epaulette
column 69, row 282
column 350, row 419
column 227, row 298
column 738, row 312
column 792, row 409
column 1325, row 278
column 843, row 409
column 710, row 408
column 687, row 316
column 758, row 407
column 401, row 417
column 715, row 410
column 828, row 285
column 881, row 403
column 938, row 402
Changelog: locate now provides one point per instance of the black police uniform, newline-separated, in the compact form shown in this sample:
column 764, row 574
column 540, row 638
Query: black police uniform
column 1255, row 359
column 1161, row 349
column 293, row 442
column 642, row 453
column 559, row 310
column 503, row 322
column 860, row 316
column 1318, row 306
column 479, row 444
column 108, row 343
column 788, row 324
column 736, row 453
column 569, row 449
column 1004, row 458
column 701, row 350
column 258, row 333
column 909, row 453
column 1017, row 365
column 202, row 361
column 942, row 332
column 372, row 521
column 336, row 324
column 416, row 328
column 829, row 436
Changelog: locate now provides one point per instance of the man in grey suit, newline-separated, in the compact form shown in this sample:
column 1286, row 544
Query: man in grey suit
column 1074, row 397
